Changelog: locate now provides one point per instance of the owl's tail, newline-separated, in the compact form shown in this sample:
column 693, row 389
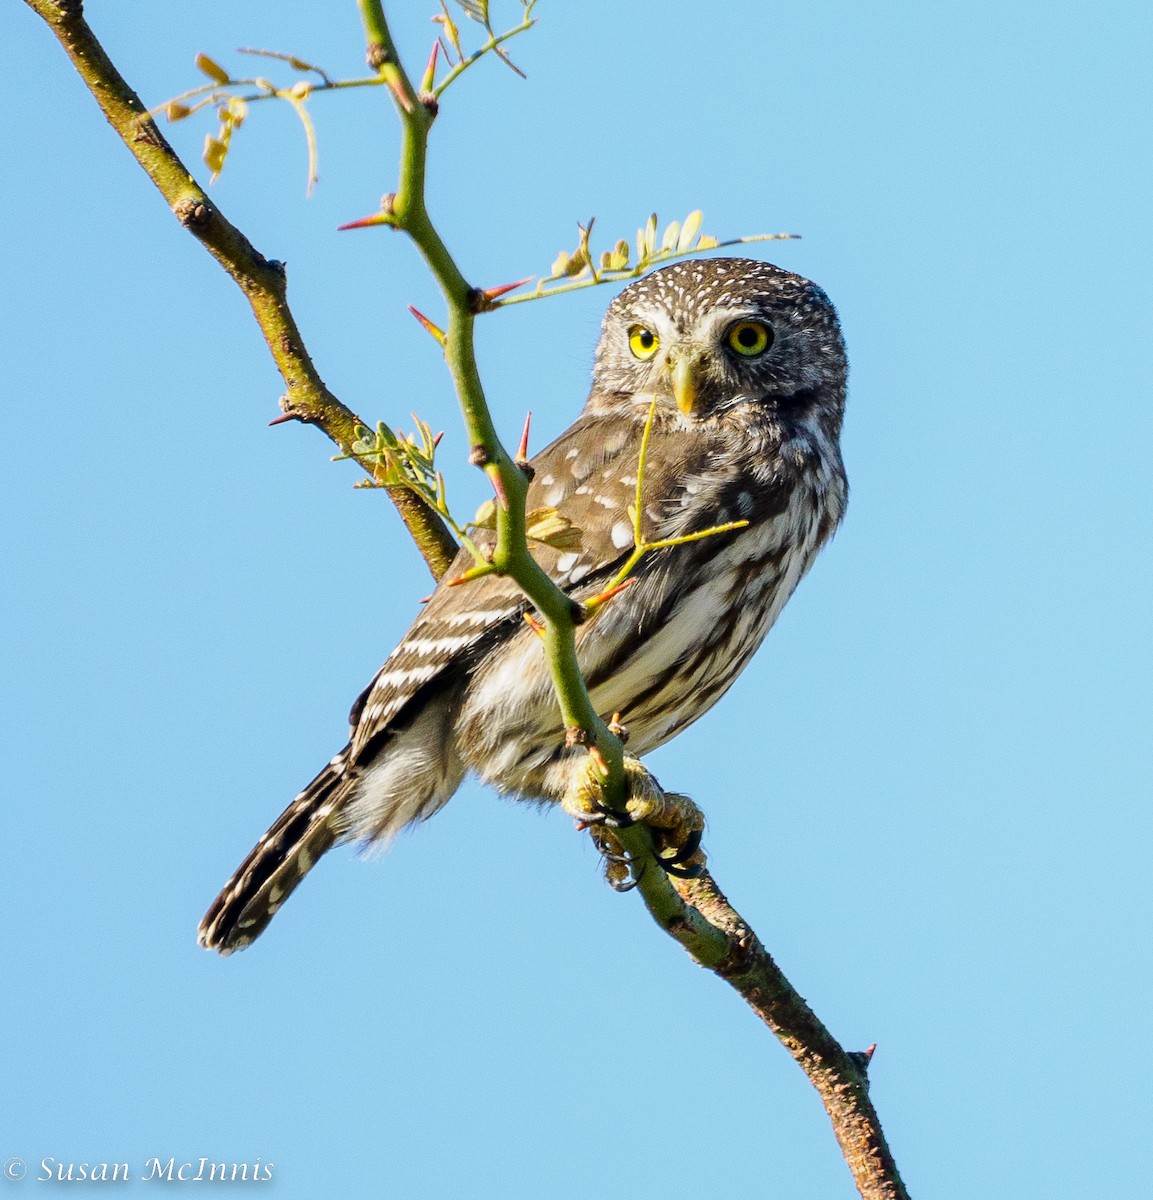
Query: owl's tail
column 404, row 774
column 277, row 863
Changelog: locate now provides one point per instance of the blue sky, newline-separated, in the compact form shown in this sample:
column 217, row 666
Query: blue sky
column 929, row 793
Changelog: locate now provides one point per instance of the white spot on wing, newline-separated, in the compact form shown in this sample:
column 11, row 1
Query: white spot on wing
column 622, row 535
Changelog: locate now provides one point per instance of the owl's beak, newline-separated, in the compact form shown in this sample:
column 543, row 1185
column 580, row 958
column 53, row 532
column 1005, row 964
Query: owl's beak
column 685, row 370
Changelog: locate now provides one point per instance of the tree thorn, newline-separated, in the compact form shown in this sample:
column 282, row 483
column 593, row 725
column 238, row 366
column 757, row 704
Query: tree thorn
column 384, row 217
column 618, row 728
column 477, row 572
column 602, row 598
column 598, row 758
column 861, row 1060
column 533, row 624
column 492, row 294
column 435, row 330
column 429, row 77
column 288, row 416
column 522, row 449
column 436, row 440
column 393, row 83
column 493, row 473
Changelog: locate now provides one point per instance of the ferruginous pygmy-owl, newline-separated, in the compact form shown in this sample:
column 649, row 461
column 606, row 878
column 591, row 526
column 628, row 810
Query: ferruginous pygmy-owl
column 748, row 369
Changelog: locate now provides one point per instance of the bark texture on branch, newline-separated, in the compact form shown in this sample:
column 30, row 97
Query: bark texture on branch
column 262, row 280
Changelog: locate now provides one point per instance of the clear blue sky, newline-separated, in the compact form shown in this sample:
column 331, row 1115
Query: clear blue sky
column 929, row 793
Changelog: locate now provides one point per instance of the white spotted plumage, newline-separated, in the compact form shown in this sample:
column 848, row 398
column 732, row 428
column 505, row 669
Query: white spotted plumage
column 468, row 688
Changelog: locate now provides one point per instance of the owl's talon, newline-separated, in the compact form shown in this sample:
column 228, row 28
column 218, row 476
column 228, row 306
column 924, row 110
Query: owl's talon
column 690, row 871
column 601, row 814
column 625, row 884
column 616, row 818
column 684, row 851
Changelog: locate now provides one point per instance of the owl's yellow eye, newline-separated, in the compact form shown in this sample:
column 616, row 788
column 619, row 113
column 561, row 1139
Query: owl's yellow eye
column 750, row 338
column 643, row 342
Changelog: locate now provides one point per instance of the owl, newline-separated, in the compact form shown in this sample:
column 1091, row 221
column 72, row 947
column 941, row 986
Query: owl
column 738, row 367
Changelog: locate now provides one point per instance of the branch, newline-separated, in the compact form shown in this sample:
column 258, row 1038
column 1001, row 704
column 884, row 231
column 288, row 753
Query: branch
column 839, row 1077
column 693, row 911
column 262, row 280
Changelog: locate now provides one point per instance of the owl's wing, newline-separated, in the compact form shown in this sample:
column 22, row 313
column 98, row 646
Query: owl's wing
column 585, row 480
column 458, row 623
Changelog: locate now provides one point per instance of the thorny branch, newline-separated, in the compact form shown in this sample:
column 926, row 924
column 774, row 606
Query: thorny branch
column 693, row 911
column 263, row 281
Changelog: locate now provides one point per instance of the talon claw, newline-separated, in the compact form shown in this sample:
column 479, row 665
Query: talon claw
column 627, row 885
column 680, row 871
column 616, row 818
column 691, row 845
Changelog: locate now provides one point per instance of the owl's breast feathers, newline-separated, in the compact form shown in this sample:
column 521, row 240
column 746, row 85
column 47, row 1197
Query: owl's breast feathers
column 787, row 483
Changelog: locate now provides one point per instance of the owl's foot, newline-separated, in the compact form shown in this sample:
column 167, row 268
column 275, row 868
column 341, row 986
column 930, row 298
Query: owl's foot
column 675, row 821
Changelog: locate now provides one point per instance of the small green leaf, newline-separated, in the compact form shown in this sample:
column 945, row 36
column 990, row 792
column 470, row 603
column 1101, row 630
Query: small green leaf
column 689, row 230
column 212, row 69
column 215, row 152
column 548, row 526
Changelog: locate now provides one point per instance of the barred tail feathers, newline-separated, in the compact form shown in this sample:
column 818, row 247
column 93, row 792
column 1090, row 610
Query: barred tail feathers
column 366, row 794
column 277, row 863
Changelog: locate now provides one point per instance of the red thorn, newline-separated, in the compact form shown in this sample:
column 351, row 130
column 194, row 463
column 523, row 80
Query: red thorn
column 377, row 218
column 398, row 92
column 595, row 602
column 493, row 473
column 436, row 440
column 435, row 330
column 597, row 757
column 870, row 1052
column 281, row 419
column 522, row 450
column 534, row 624
column 430, row 70
column 493, row 292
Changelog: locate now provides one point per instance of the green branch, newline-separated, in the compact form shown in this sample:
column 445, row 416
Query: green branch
column 510, row 556
column 693, row 911
column 494, row 42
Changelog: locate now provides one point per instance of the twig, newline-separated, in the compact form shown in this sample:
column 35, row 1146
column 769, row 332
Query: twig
column 263, row 281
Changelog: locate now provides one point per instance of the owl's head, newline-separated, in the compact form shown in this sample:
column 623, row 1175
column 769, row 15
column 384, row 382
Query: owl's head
column 710, row 336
